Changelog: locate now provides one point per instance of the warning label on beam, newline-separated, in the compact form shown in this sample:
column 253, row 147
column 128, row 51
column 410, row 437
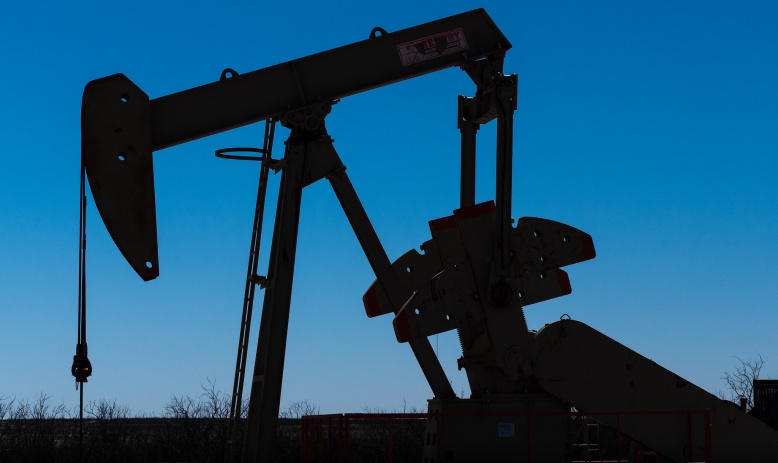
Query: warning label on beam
column 432, row 47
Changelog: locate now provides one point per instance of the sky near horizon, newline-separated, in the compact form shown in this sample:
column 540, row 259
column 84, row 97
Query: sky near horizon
column 652, row 126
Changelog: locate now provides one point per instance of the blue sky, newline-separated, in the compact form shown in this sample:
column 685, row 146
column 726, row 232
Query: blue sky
column 650, row 125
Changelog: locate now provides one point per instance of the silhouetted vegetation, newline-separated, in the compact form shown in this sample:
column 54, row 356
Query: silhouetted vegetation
column 740, row 382
column 191, row 429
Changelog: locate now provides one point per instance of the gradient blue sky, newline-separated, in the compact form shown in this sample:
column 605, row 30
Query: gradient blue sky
column 652, row 125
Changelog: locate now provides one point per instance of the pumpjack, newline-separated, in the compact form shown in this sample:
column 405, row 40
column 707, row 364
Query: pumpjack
column 475, row 275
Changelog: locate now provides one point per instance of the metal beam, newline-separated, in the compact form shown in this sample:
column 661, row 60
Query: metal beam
column 387, row 278
column 378, row 61
column 271, row 345
column 121, row 126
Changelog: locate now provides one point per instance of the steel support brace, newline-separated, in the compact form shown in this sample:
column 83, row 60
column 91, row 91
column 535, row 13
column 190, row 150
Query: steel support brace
column 307, row 159
column 382, row 267
column 271, row 345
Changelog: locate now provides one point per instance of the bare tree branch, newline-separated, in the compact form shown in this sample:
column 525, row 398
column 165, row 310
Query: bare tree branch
column 740, row 383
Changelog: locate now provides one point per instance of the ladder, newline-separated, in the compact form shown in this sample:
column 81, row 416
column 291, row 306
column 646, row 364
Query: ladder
column 252, row 278
column 589, row 435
